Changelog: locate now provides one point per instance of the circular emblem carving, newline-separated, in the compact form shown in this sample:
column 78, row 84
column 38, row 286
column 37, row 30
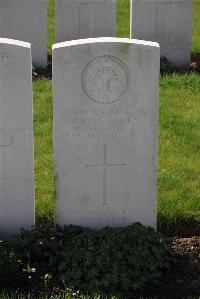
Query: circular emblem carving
column 105, row 79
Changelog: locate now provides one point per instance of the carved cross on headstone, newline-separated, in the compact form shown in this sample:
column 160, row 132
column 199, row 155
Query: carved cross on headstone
column 105, row 165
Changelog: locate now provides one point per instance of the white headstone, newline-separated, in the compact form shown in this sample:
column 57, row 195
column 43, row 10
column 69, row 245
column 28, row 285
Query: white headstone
column 16, row 138
column 105, row 126
column 168, row 22
column 77, row 19
column 26, row 20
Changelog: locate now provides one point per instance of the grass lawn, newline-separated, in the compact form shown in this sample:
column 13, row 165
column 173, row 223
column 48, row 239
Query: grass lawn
column 195, row 27
column 179, row 147
column 179, row 135
column 43, row 131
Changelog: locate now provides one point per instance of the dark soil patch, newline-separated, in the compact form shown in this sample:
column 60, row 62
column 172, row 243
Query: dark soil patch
column 184, row 279
column 195, row 62
column 43, row 74
column 179, row 230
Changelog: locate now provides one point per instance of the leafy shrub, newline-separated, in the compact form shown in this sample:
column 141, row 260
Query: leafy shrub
column 116, row 261
column 166, row 68
column 9, row 265
column 38, row 249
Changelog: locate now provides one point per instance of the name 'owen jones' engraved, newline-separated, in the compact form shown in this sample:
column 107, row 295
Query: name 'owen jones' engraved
column 95, row 123
column 105, row 165
column 105, row 79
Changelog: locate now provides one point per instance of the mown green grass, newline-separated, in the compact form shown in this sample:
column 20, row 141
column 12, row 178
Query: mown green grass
column 179, row 136
column 179, row 147
column 195, row 27
column 51, row 25
column 123, row 18
column 43, row 138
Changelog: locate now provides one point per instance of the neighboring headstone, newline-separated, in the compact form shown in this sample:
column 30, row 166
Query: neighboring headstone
column 26, row 20
column 168, row 22
column 105, row 126
column 77, row 19
column 16, row 138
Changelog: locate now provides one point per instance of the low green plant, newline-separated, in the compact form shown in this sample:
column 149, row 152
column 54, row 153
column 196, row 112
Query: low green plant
column 9, row 265
column 166, row 68
column 66, row 294
column 111, row 261
column 116, row 261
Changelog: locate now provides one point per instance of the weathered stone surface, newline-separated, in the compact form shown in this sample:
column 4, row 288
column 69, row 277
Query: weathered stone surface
column 105, row 126
column 168, row 22
column 26, row 20
column 77, row 19
column 16, row 138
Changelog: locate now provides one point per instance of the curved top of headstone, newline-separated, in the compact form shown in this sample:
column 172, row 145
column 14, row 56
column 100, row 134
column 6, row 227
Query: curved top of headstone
column 15, row 42
column 104, row 40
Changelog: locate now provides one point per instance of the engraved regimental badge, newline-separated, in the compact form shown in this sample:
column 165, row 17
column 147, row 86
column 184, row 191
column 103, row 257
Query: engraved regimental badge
column 105, row 79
